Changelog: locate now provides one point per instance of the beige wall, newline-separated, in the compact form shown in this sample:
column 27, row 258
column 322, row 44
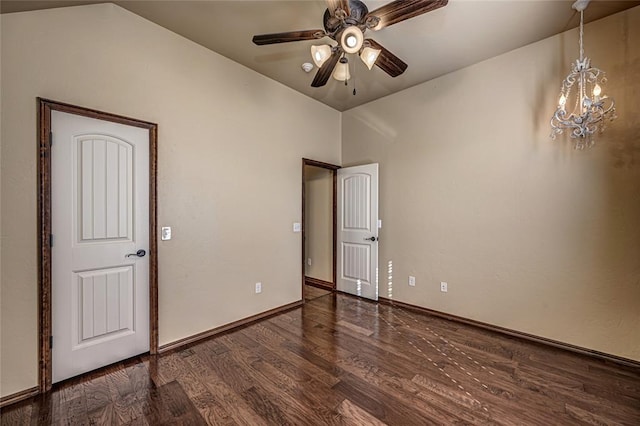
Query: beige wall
column 529, row 234
column 230, row 145
column 318, row 223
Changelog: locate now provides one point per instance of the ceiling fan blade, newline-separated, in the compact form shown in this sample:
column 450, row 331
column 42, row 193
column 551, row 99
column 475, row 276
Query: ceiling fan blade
column 387, row 61
column 323, row 74
column 263, row 39
column 401, row 10
column 332, row 5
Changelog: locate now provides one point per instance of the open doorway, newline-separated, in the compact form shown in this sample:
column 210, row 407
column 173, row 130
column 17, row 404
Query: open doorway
column 318, row 228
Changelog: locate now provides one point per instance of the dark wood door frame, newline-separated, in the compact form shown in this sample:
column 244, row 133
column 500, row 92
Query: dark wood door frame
column 45, row 106
column 334, row 172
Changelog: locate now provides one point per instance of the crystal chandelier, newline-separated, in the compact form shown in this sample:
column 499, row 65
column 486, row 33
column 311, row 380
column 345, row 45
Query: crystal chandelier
column 582, row 92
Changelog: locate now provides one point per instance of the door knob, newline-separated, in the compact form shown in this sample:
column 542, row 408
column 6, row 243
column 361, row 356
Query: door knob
column 371, row 239
column 139, row 253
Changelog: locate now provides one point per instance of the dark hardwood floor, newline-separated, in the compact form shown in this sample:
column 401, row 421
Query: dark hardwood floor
column 311, row 292
column 341, row 360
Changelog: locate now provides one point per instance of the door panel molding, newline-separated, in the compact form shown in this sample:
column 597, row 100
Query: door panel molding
column 357, row 208
column 45, row 107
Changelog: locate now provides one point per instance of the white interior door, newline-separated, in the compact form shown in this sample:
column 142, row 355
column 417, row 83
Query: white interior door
column 100, row 214
column 357, row 257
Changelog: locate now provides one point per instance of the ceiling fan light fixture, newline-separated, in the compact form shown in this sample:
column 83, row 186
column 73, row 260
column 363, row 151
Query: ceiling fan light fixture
column 351, row 39
column 341, row 71
column 320, row 54
column 369, row 56
column 345, row 22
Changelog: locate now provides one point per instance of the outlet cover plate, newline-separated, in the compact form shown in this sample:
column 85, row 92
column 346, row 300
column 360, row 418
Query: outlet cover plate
column 258, row 288
column 443, row 287
column 412, row 281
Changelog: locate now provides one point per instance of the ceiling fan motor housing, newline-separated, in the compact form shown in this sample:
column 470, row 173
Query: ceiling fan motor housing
column 334, row 23
column 357, row 10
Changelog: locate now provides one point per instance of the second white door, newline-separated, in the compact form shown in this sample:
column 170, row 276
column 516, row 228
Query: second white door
column 100, row 220
column 357, row 209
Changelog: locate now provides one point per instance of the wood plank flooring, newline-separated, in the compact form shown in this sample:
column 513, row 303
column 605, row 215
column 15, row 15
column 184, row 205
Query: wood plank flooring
column 339, row 360
column 312, row 292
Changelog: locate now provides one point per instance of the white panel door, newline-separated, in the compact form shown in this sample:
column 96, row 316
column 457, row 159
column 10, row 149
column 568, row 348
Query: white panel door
column 100, row 214
column 357, row 257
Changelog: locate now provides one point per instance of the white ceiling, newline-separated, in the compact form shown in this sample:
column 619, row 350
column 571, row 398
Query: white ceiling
column 460, row 34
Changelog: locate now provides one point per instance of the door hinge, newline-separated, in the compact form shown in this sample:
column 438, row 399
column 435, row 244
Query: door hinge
column 50, row 240
column 51, row 342
column 50, row 138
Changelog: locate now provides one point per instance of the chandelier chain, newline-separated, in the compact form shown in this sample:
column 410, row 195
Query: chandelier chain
column 581, row 35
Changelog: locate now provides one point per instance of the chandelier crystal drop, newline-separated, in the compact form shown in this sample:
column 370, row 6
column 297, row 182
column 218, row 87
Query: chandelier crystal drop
column 582, row 109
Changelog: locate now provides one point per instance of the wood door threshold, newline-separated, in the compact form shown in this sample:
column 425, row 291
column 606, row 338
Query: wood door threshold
column 315, row 282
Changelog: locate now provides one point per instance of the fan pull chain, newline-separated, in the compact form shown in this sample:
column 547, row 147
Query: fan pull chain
column 354, row 80
column 344, row 56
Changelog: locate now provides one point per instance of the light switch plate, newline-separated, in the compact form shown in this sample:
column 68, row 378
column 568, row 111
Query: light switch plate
column 297, row 227
column 166, row 233
column 379, row 223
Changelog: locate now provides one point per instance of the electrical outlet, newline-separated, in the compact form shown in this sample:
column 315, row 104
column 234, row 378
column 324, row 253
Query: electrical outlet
column 443, row 287
column 258, row 288
column 309, row 261
column 412, row 281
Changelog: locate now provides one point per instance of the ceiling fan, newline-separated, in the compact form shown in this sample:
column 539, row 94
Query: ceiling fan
column 346, row 21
